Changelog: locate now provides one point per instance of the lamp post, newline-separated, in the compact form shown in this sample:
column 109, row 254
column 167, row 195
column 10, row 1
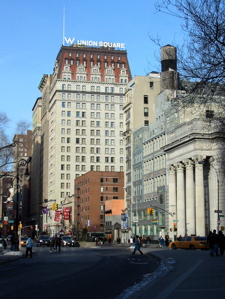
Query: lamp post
column 20, row 163
column 218, row 197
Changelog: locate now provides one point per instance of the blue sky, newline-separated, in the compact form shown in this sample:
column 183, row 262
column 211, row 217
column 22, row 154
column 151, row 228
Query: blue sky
column 31, row 34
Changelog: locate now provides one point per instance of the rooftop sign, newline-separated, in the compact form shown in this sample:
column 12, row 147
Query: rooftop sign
column 71, row 41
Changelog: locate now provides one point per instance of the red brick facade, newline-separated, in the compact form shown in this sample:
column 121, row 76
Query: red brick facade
column 92, row 190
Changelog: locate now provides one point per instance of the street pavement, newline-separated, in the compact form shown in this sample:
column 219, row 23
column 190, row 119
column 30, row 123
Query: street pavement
column 180, row 274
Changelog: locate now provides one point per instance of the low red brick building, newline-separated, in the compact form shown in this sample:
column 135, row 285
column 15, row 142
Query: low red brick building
column 92, row 190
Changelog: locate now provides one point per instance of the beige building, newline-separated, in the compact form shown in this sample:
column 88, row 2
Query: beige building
column 139, row 112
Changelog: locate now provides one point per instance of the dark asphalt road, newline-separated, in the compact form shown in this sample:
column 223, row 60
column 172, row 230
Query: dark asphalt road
column 83, row 273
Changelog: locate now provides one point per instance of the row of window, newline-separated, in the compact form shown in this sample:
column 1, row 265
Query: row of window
column 93, row 150
column 110, row 133
column 79, row 123
column 98, row 56
column 83, row 97
column 92, row 64
column 92, row 141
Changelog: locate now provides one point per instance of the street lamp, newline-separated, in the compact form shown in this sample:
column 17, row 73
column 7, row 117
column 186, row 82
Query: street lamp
column 20, row 163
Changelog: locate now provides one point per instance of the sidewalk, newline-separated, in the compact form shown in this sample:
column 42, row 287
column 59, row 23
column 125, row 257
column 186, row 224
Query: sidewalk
column 6, row 255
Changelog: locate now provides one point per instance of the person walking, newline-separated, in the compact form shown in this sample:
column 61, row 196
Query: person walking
column 52, row 244
column 221, row 242
column 29, row 245
column 161, row 242
column 213, row 243
column 137, row 245
column 13, row 242
column 58, row 243
column 167, row 240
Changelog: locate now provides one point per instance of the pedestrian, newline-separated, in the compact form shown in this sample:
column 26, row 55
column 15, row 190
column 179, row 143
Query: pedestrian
column 29, row 245
column 13, row 242
column 213, row 243
column 167, row 240
column 137, row 245
column 58, row 243
column 221, row 242
column 4, row 242
column 52, row 244
column 161, row 242
column 148, row 240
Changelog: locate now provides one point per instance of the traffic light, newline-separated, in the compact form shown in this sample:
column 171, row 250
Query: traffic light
column 150, row 211
column 53, row 206
column 175, row 227
column 56, row 206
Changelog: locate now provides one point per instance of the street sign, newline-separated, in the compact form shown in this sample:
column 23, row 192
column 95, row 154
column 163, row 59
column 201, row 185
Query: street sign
column 218, row 211
column 175, row 220
column 221, row 216
column 135, row 219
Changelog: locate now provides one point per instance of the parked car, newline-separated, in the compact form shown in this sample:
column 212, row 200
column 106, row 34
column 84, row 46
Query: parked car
column 43, row 240
column 190, row 242
column 23, row 241
column 69, row 241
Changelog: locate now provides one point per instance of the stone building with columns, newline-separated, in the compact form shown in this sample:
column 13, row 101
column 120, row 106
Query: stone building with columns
column 195, row 162
column 176, row 162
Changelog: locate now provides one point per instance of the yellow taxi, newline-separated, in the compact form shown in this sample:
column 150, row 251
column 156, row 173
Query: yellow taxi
column 190, row 242
column 23, row 241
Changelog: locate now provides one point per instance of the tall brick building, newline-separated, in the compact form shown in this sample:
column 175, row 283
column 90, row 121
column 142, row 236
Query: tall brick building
column 81, row 124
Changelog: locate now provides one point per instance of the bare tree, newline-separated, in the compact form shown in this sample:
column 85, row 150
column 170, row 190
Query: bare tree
column 6, row 147
column 201, row 57
column 22, row 126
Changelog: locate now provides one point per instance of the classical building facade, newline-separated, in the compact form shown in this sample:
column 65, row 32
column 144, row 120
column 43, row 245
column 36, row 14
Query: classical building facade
column 175, row 165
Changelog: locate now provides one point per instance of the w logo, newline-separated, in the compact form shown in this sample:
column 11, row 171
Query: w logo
column 69, row 40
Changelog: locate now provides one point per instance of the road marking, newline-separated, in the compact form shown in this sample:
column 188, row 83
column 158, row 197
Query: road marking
column 178, row 281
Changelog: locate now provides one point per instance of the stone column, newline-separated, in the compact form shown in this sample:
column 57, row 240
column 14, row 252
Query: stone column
column 199, row 199
column 181, row 224
column 190, row 198
column 172, row 198
column 214, row 184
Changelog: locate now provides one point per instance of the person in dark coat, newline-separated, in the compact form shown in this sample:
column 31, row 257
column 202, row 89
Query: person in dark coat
column 167, row 240
column 58, row 243
column 213, row 243
column 221, row 242
column 137, row 245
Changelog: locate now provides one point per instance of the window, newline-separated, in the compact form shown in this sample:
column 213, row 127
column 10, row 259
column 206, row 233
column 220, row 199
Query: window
column 63, row 104
column 115, row 180
column 209, row 113
column 151, row 84
column 115, row 189
column 145, row 99
column 145, row 112
column 146, row 123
